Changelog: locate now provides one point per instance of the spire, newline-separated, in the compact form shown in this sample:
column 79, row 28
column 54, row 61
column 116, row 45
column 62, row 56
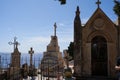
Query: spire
column 77, row 17
column 55, row 26
column 77, row 43
column 98, row 3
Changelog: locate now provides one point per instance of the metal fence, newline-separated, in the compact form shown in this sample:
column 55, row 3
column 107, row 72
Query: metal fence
column 42, row 70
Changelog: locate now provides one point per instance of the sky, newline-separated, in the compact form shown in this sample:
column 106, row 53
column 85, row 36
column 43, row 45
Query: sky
column 31, row 21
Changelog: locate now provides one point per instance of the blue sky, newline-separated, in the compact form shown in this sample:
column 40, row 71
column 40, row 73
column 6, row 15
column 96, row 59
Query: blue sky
column 31, row 21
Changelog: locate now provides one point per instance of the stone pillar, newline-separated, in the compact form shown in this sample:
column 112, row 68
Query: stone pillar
column 118, row 36
column 112, row 55
column 87, row 59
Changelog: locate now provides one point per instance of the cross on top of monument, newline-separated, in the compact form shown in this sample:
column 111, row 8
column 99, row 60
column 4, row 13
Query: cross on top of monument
column 55, row 26
column 15, row 43
column 31, row 51
column 98, row 3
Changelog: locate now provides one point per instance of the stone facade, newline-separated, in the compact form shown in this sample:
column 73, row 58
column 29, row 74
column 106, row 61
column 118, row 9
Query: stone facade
column 96, row 47
column 15, row 58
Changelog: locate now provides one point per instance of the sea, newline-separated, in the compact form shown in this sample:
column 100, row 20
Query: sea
column 5, row 59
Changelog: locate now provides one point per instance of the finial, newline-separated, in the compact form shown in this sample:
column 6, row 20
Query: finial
column 77, row 8
column 98, row 3
column 77, row 11
column 55, row 26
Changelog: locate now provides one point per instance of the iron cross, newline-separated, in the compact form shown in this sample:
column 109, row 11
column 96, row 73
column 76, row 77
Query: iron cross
column 98, row 3
column 31, row 53
column 15, row 43
column 55, row 26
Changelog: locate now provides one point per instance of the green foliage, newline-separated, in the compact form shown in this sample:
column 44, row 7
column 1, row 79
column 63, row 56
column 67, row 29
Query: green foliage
column 71, row 49
column 62, row 2
column 116, row 8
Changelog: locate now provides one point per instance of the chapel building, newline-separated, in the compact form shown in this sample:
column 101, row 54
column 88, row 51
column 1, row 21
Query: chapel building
column 96, row 45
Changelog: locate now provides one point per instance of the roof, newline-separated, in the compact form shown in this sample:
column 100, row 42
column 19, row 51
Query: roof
column 99, row 13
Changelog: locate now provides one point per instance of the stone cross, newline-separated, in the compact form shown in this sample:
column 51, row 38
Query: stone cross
column 98, row 3
column 55, row 26
column 31, row 54
column 15, row 43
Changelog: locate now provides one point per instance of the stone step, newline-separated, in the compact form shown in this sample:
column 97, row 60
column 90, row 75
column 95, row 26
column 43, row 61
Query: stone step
column 96, row 78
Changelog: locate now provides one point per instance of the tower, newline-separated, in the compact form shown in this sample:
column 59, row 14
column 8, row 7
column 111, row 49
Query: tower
column 77, row 44
column 15, row 60
column 52, row 59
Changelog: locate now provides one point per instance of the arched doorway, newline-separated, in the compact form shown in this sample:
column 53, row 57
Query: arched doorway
column 99, row 57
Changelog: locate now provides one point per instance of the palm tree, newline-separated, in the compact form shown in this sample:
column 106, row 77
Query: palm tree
column 116, row 9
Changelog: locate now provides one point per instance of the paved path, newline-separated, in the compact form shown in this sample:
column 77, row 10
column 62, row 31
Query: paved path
column 43, row 78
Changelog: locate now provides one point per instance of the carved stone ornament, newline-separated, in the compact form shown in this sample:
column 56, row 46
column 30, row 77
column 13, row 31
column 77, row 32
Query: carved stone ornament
column 98, row 23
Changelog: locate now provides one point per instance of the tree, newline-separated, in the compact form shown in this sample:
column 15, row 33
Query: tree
column 116, row 8
column 71, row 49
column 62, row 2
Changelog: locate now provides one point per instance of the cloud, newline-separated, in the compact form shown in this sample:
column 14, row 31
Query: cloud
column 61, row 24
column 42, row 40
column 40, row 43
column 65, row 28
column 116, row 22
column 84, row 20
column 39, row 39
column 65, row 39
